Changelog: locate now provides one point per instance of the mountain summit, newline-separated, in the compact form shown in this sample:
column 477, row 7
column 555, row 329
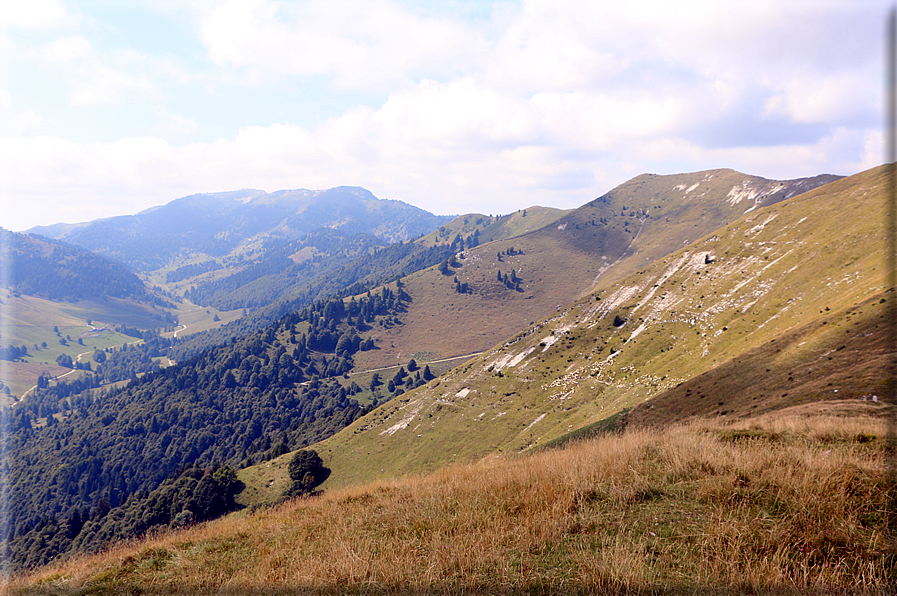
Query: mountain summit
column 216, row 224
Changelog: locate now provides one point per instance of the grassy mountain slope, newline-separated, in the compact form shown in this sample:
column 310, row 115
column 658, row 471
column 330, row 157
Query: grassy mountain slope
column 770, row 273
column 442, row 323
column 325, row 261
column 635, row 224
column 499, row 227
column 291, row 275
column 57, row 298
column 842, row 355
column 784, row 505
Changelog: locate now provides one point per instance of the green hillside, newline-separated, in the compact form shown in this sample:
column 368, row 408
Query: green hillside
column 55, row 270
column 635, row 224
column 778, row 269
column 494, row 227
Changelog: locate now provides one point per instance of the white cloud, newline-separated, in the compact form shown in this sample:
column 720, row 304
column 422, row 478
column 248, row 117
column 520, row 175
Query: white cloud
column 175, row 124
column 91, row 80
column 27, row 121
column 824, row 99
column 550, row 102
column 706, row 54
column 371, row 46
column 6, row 101
column 102, row 85
column 33, row 14
column 67, row 49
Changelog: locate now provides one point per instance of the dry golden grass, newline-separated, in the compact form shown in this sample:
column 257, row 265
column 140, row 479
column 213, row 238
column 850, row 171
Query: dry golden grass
column 795, row 505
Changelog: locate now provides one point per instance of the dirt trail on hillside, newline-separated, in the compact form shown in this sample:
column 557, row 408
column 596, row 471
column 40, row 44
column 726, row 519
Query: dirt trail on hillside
column 372, row 370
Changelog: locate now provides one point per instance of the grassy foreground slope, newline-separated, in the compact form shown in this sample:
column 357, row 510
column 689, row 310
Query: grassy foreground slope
column 800, row 267
column 791, row 504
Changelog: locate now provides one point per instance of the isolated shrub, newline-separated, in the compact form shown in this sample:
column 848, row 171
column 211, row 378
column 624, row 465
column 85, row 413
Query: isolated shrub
column 307, row 472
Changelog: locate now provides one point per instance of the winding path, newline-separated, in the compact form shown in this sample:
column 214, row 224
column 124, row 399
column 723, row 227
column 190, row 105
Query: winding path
column 78, row 359
column 371, row 370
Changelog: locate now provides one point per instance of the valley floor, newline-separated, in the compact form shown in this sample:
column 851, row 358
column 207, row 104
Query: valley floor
column 796, row 503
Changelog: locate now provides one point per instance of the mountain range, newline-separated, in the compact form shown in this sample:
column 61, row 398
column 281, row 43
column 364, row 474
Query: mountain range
column 713, row 295
column 219, row 224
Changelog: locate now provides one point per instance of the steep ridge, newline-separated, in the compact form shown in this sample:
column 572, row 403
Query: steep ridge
column 776, row 269
column 633, row 225
column 669, row 212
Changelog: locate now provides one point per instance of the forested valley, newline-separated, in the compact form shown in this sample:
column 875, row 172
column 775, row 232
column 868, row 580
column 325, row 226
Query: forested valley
column 132, row 446
column 79, row 454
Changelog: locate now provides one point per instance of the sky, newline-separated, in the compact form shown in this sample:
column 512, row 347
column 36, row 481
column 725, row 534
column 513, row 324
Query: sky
column 109, row 107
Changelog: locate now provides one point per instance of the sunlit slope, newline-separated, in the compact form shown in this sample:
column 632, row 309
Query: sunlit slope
column 638, row 222
column 774, row 270
column 494, row 227
column 661, row 214
column 785, row 505
column 442, row 323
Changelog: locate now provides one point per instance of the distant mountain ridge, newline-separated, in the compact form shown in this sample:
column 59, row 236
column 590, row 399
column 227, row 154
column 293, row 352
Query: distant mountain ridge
column 57, row 270
column 216, row 224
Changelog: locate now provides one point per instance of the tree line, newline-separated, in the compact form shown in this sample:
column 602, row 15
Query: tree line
column 191, row 495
